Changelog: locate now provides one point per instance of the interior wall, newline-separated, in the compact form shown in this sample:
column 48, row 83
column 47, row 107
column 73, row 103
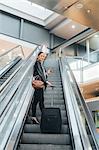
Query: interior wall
column 9, row 24
column 81, row 50
column 35, row 33
column 69, row 51
column 20, row 28
column 57, row 41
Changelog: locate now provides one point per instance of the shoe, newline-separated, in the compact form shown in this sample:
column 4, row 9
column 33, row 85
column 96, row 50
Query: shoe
column 35, row 120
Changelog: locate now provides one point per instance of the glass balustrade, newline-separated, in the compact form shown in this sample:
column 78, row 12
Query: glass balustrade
column 10, row 55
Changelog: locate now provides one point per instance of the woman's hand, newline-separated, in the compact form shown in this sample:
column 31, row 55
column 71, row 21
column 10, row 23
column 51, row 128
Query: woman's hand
column 49, row 84
column 49, row 71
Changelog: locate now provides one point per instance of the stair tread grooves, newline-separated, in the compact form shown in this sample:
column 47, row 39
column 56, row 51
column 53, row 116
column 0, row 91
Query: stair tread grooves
column 33, row 128
column 44, row 147
column 46, row 134
column 46, row 138
column 64, row 120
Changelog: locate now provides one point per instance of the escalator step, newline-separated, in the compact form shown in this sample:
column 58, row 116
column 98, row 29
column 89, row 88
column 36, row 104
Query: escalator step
column 44, row 147
column 30, row 128
column 58, row 96
column 55, row 102
column 38, row 113
column 48, row 92
column 64, row 120
column 5, row 77
column 36, row 138
column 62, row 107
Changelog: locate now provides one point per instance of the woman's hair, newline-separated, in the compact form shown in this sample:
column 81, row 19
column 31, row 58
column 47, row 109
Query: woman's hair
column 40, row 53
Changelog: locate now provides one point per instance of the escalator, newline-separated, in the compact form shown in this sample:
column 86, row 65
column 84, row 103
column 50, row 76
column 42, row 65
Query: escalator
column 19, row 132
column 32, row 138
column 6, row 72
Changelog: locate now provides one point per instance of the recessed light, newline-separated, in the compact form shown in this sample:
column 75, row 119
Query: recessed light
column 65, row 7
column 79, row 5
column 73, row 26
column 88, row 11
column 96, row 35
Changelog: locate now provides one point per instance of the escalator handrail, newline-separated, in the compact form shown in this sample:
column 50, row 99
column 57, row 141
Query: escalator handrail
column 12, row 82
column 13, row 74
column 18, row 71
column 9, row 66
column 76, row 140
column 16, row 88
column 86, row 110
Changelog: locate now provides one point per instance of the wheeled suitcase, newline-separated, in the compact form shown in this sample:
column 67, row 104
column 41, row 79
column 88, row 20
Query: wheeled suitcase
column 51, row 121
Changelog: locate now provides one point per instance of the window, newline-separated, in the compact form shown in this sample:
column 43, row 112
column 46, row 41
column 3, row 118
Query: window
column 28, row 8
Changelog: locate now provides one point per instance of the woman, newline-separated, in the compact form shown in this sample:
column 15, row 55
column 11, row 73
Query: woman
column 39, row 71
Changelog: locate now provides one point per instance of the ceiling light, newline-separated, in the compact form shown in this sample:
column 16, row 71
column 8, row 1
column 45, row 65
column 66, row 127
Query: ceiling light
column 73, row 26
column 65, row 7
column 88, row 11
column 96, row 35
column 97, row 89
column 79, row 5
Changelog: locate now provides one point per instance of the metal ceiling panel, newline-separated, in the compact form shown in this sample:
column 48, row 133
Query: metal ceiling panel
column 50, row 4
column 65, row 30
column 56, row 5
column 83, row 11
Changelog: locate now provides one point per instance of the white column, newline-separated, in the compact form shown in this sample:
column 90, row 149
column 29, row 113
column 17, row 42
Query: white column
column 88, row 50
column 21, row 28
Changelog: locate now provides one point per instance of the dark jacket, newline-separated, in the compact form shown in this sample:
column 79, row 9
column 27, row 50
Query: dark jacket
column 38, row 70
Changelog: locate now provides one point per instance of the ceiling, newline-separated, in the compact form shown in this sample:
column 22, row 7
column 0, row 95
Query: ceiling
column 73, row 17
column 65, row 28
column 82, row 11
column 60, row 25
column 56, row 22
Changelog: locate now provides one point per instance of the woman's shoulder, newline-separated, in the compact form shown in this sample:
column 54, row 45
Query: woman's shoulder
column 37, row 63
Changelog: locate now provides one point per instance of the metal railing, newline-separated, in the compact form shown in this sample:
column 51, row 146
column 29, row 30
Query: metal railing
column 80, row 66
column 12, row 50
column 14, row 102
column 10, row 55
column 93, row 56
column 76, row 64
column 82, row 113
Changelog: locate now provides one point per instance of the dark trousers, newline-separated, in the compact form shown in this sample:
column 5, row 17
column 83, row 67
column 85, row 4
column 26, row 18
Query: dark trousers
column 37, row 98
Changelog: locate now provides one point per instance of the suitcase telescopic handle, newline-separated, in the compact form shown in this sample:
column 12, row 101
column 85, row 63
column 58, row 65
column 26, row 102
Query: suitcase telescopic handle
column 52, row 100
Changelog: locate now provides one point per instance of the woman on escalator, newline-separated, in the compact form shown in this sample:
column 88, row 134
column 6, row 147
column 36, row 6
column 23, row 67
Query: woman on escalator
column 40, row 72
